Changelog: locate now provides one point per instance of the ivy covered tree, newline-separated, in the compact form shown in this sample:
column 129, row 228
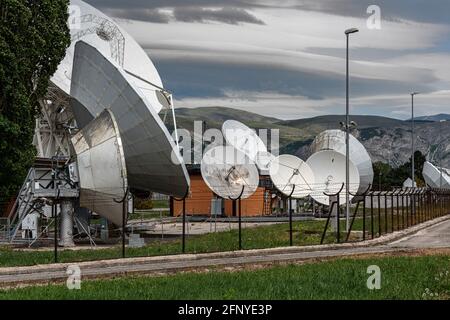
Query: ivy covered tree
column 34, row 36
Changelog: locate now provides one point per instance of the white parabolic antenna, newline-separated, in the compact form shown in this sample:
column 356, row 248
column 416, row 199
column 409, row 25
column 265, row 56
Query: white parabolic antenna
column 263, row 160
column 329, row 172
column 92, row 26
column 226, row 170
column 435, row 177
column 288, row 171
column 152, row 158
column 242, row 138
column 101, row 167
column 335, row 140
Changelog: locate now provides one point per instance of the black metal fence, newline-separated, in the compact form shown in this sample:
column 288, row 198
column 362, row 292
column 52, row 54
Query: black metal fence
column 383, row 212
column 373, row 214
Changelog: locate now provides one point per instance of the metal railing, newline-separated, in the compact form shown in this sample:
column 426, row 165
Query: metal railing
column 383, row 212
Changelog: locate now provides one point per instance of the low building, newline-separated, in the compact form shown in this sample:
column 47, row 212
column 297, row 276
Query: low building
column 203, row 202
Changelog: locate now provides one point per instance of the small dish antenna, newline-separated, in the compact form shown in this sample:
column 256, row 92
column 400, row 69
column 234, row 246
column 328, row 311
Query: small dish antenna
column 263, row 160
column 101, row 167
column 242, row 138
column 287, row 171
column 226, row 171
column 329, row 172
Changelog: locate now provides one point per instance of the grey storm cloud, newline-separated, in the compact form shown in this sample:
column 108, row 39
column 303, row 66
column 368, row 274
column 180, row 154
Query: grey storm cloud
column 148, row 15
column 225, row 15
column 418, row 10
column 435, row 11
column 150, row 12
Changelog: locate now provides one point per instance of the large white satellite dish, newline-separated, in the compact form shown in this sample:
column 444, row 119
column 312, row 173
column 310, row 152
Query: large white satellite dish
column 435, row 177
column 226, row 170
column 242, row 138
column 329, row 172
column 92, row 26
column 335, row 140
column 152, row 158
column 101, row 167
column 288, row 172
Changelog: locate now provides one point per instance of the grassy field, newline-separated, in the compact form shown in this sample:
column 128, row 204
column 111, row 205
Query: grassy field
column 305, row 233
column 146, row 214
column 401, row 278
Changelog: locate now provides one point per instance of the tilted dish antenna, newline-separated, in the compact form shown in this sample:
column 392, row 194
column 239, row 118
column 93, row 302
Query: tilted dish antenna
column 242, row 138
column 328, row 167
column 435, row 177
column 263, row 160
column 226, row 171
column 335, row 140
column 101, row 167
column 288, row 173
column 153, row 161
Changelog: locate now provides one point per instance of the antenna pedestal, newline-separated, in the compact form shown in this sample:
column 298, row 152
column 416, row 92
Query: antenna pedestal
column 66, row 226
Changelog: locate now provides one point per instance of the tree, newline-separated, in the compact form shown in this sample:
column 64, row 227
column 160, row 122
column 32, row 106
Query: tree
column 389, row 177
column 34, row 36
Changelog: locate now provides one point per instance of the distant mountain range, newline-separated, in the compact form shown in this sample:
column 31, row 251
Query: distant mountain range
column 437, row 117
column 386, row 139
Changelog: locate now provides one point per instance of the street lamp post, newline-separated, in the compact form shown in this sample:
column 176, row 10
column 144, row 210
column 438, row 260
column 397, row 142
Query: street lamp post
column 347, row 128
column 440, row 155
column 412, row 138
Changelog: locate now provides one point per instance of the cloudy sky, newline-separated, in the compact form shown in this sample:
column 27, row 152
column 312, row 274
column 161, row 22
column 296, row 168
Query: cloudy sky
column 286, row 59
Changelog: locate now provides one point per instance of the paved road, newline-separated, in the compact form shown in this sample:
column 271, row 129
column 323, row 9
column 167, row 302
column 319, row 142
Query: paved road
column 437, row 236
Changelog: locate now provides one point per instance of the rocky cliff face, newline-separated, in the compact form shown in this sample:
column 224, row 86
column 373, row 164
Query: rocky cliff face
column 393, row 144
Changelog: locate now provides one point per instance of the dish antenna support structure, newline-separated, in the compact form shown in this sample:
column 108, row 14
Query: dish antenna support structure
column 230, row 174
column 107, row 31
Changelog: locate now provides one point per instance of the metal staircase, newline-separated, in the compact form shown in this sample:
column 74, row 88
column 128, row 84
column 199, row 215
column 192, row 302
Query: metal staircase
column 46, row 181
column 22, row 207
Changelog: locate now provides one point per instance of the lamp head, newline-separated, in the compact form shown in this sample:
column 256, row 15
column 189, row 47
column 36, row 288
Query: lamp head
column 352, row 30
column 414, row 93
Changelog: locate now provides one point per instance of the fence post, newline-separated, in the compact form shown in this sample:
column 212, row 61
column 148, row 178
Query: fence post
column 290, row 216
column 379, row 213
column 364, row 218
column 371, row 216
column 385, row 213
column 239, row 214
column 364, row 194
column 183, row 235
column 392, row 211
column 330, row 211
column 408, row 196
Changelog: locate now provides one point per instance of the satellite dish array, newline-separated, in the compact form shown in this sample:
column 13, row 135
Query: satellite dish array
column 228, row 169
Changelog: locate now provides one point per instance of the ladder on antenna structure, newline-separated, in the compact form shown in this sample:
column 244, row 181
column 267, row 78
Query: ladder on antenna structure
column 21, row 206
column 267, row 203
column 42, row 183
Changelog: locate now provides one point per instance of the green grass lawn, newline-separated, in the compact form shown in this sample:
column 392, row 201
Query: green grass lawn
column 146, row 214
column 401, row 278
column 269, row 236
column 160, row 203
column 305, row 233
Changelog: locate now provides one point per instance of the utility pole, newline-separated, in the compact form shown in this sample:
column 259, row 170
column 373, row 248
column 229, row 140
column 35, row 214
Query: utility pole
column 347, row 134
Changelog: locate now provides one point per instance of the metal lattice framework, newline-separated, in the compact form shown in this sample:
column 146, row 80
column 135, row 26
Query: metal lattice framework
column 107, row 31
column 52, row 132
